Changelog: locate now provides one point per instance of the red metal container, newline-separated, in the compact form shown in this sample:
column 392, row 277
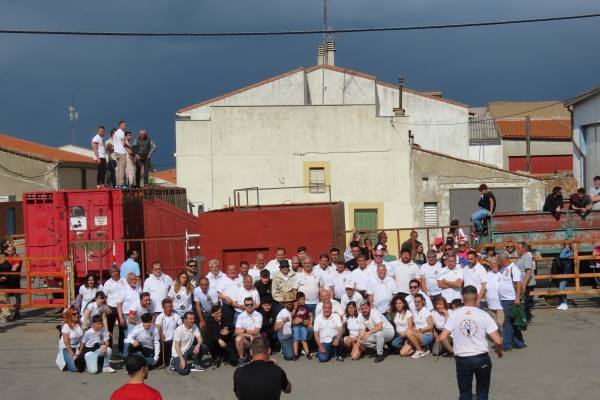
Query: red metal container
column 95, row 227
column 235, row 234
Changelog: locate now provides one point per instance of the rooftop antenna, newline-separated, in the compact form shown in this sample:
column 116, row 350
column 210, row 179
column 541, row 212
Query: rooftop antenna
column 73, row 118
column 326, row 36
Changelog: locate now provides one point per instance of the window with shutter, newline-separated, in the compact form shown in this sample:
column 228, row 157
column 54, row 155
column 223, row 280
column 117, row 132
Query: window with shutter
column 316, row 180
column 430, row 214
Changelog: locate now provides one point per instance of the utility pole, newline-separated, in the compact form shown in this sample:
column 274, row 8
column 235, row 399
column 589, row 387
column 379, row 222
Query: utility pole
column 528, row 142
column 73, row 118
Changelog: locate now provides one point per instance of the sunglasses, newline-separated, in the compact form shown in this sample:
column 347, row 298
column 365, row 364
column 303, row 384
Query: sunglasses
column 378, row 255
column 413, row 287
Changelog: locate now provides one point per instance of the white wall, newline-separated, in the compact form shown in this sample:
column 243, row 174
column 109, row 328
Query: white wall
column 489, row 154
column 586, row 112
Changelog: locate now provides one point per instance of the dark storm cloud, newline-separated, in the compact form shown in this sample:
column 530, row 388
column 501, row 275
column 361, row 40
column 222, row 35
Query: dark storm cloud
column 146, row 80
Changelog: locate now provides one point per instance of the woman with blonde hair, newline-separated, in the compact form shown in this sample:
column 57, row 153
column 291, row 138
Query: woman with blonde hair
column 181, row 294
column 70, row 338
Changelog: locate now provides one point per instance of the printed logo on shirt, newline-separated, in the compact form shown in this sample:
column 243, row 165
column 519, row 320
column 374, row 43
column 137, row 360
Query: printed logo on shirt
column 468, row 327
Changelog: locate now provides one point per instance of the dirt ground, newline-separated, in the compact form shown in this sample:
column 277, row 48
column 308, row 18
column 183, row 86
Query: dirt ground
column 561, row 362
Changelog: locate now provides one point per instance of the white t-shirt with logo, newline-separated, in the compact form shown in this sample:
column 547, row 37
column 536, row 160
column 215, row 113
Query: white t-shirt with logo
column 352, row 325
column 475, row 276
column 356, row 297
column 404, row 273
column 327, row 327
column 401, row 321
column 420, row 318
column 101, row 150
column 185, row 337
column 382, row 292
column 91, row 337
column 75, row 335
column 242, row 293
column 374, row 318
column 439, row 320
column 509, row 274
column 158, row 289
column 492, row 288
column 362, row 278
column 168, row 324
column 131, row 298
column 88, row 294
column 114, row 291
column 182, row 300
column 249, row 321
column 207, row 300
column 469, row 327
column 339, row 282
column 451, row 275
column 309, row 285
column 431, row 274
column 286, row 331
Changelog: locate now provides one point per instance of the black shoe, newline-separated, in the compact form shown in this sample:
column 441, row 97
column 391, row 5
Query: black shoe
column 370, row 355
column 340, row 358
column 295, row 358
column 309, row 356
column 379, row 358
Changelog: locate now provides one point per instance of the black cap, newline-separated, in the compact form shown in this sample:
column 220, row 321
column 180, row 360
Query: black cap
column 284, row 263
column 266, row 300
column 134, row 363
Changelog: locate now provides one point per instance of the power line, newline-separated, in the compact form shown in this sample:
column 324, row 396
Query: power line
column 297, row 32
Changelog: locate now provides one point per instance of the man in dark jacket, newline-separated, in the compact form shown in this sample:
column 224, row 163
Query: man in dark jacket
column 143, row 149
column 5, row 283
column 554, row 202
column 218, row 337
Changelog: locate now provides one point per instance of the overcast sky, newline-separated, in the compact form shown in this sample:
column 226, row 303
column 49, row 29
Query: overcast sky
column 145, row 80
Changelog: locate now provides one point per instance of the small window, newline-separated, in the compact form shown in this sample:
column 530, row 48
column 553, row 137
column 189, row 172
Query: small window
column 316, row 179
column 430, row 214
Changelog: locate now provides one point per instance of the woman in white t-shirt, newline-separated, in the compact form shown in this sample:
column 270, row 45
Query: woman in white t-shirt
column 402, row 319
column 440, row 315
column 351, row 325
column 70, row 338
column 492, row 294
column 88, row 290
column 181, row 294
column 420, row 337
column 96, row 307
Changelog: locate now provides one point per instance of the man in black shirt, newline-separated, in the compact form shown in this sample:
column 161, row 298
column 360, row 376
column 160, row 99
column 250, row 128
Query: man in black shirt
column 267, row 329
column 554, row 202
column 260, row 379
column 352, row 264
column 487, row 207
column 580, row 202
column 219, row 338
column 263, row 284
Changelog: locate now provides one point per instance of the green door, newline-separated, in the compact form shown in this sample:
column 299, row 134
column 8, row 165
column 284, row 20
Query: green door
column 366, row 219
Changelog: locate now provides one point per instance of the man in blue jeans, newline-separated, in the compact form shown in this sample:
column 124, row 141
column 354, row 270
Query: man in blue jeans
column 328, row 331
column 509, row 290
column 283, row 327
column 487, row 207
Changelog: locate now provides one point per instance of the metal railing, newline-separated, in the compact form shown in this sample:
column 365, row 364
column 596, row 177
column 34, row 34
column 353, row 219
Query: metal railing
column 237, row 193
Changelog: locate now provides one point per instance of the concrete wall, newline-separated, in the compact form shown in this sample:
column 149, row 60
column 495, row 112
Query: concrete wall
column 489, row 154
column 585, row 113
column 538, row 148
column 29, row 174
column 71, row 178
column 434, row 175
column 366, row 156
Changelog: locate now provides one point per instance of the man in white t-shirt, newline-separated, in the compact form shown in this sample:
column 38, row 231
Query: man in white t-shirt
column 381, row 290
column 158, row 285
column 325, row 271
column 362, row 276
column 99, row 156
column 430, row 271
column 205, row 297
column 247, row 327
column 120, row 147
column 325, row 297
column 469, row 327
column 375, row 331
column 308, row 282
column 113, row 288
column 183, row 350
column 378, row 255
column 405, row 270
column 259, row 266
column 144, row 338
column 510, row 293
column 474, row 274
column 166, row 323
column 273, row 265
column 130, row 299
column 415, row 287
column 340, row 278
column 328, row 330
column 350, row 295
column 283, row 327
column 451, row 279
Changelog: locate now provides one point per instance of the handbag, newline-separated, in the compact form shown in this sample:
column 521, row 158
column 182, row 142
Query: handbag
column 517, row 316
column 558, row 266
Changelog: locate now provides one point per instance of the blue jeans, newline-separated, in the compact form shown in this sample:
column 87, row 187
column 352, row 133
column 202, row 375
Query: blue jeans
column 398, row 342
column 479, row 216
column 148, row 354
column 187, row 356
column 91, row 360
column 287, row 347
column 70, row 363
column 480, row 366
column 568, row 264
column 330, row 351
column 300, row 332
column 511, row 335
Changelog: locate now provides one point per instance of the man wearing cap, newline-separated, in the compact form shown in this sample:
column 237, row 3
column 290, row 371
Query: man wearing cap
column 350, row 295
column 283, row 282
column 381, row 290
column 469, row 327
column 361, row 276
column 340, row 278
column 375, row 331
column 135, row 388
column 308, row 282
column 283, row 327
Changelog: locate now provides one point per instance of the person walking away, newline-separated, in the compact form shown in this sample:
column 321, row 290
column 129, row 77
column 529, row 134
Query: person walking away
column 120, row 147
column 111, row 159
column 566, row 259
column 144, row 148
column 487, row 207
column 261, row 378
column 135, row 388
column 554, row 202
column 130, row 164
column 469, row 327
column 99, row 157
column 527, row 268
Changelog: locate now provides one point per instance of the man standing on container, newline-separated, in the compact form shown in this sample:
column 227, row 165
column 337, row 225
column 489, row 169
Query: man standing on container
column 144, row 148
column 99, row 157
column 120, row 147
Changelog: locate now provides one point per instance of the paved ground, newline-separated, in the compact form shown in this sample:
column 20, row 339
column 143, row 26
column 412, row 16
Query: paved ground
column 561, row 362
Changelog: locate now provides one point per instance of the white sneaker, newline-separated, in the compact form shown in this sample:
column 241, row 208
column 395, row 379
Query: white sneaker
column 417, row 354
column 563, row 306
column 425, row 353
column 109, row 370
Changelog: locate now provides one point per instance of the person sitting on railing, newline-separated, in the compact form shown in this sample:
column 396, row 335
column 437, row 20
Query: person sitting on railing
column 554, row 202
column 580, row 202
column 487, row 207
column 566, row 261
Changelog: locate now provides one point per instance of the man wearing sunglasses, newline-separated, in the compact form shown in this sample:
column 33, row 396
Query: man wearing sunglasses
column 247, row 327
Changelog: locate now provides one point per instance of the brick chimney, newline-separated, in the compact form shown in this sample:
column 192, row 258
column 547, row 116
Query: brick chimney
column 320, row 55
column 330, row 48
column 399, row 111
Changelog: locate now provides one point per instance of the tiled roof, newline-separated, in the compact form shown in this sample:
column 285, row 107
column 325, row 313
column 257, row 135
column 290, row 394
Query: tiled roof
column 482, row 129
column 548, row 129
column 40, row 151
column 169, row 175
column 430, row 95
column 521, row 109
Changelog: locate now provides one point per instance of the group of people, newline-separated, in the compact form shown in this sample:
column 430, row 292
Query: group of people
column 581, row 202
column 125, row 158
column 10, row 278
column 332, row 307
